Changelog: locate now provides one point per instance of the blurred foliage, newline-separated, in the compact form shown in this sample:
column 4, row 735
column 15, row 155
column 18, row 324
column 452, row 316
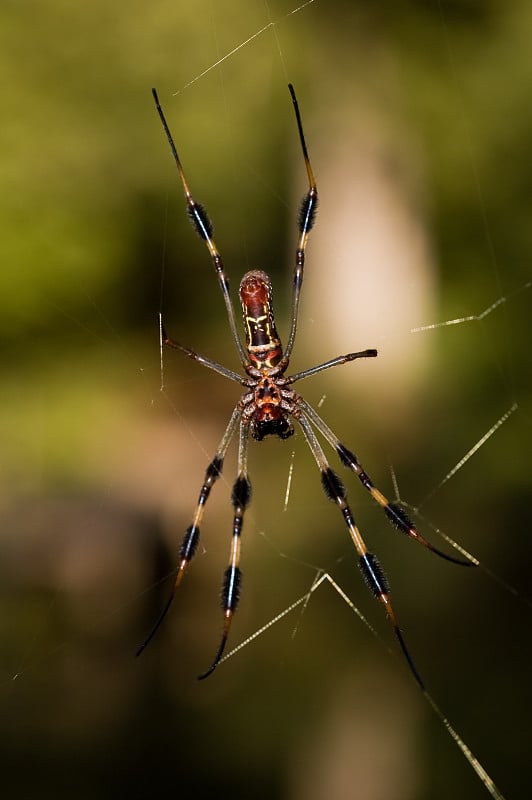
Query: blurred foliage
column 101, row 469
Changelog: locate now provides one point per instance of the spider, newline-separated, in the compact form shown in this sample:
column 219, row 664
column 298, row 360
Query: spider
column 267, row 408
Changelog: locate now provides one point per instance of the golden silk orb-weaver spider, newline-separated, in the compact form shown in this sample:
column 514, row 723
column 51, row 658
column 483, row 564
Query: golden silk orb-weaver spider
column 268, row 406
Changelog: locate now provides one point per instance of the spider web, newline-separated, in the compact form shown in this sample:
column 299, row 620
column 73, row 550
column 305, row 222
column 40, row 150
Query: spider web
column 104, row 469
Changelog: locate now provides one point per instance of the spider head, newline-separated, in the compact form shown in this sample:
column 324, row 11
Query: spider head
column 278, row 426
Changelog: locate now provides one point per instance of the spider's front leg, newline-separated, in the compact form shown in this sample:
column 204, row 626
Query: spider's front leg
column 203, row 227
column 240, row 498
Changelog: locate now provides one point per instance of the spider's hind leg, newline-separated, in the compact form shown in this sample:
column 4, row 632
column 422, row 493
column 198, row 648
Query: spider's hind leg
column 190, row 541
column 396, row 515
column 240, row 498
column 368, row 562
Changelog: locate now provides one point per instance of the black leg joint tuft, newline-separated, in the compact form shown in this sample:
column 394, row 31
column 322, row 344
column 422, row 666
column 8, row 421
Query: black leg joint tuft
column 332, row 485
column 241, row 494
column 347, row 458
column 398, row 517
column 307, row 211
column 373, row 574
column 189, row 544
column 230, row 593
column 200, row 220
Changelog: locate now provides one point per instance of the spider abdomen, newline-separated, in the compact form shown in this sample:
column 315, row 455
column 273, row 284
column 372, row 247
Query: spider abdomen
column 262, row 340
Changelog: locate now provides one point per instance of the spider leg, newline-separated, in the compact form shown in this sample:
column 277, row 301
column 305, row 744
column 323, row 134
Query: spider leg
column 370, row 567
column 334, row 362
column 396, row 515
column 190, row 541
column 205, row 362
column 240, row 497
column 203, row 226
column 307, row 216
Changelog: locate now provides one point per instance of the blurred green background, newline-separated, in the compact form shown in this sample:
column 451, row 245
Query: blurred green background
column 419, row 122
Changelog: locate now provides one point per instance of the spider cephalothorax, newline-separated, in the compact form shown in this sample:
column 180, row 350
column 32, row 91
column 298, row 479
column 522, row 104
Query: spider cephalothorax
column 267, row 407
